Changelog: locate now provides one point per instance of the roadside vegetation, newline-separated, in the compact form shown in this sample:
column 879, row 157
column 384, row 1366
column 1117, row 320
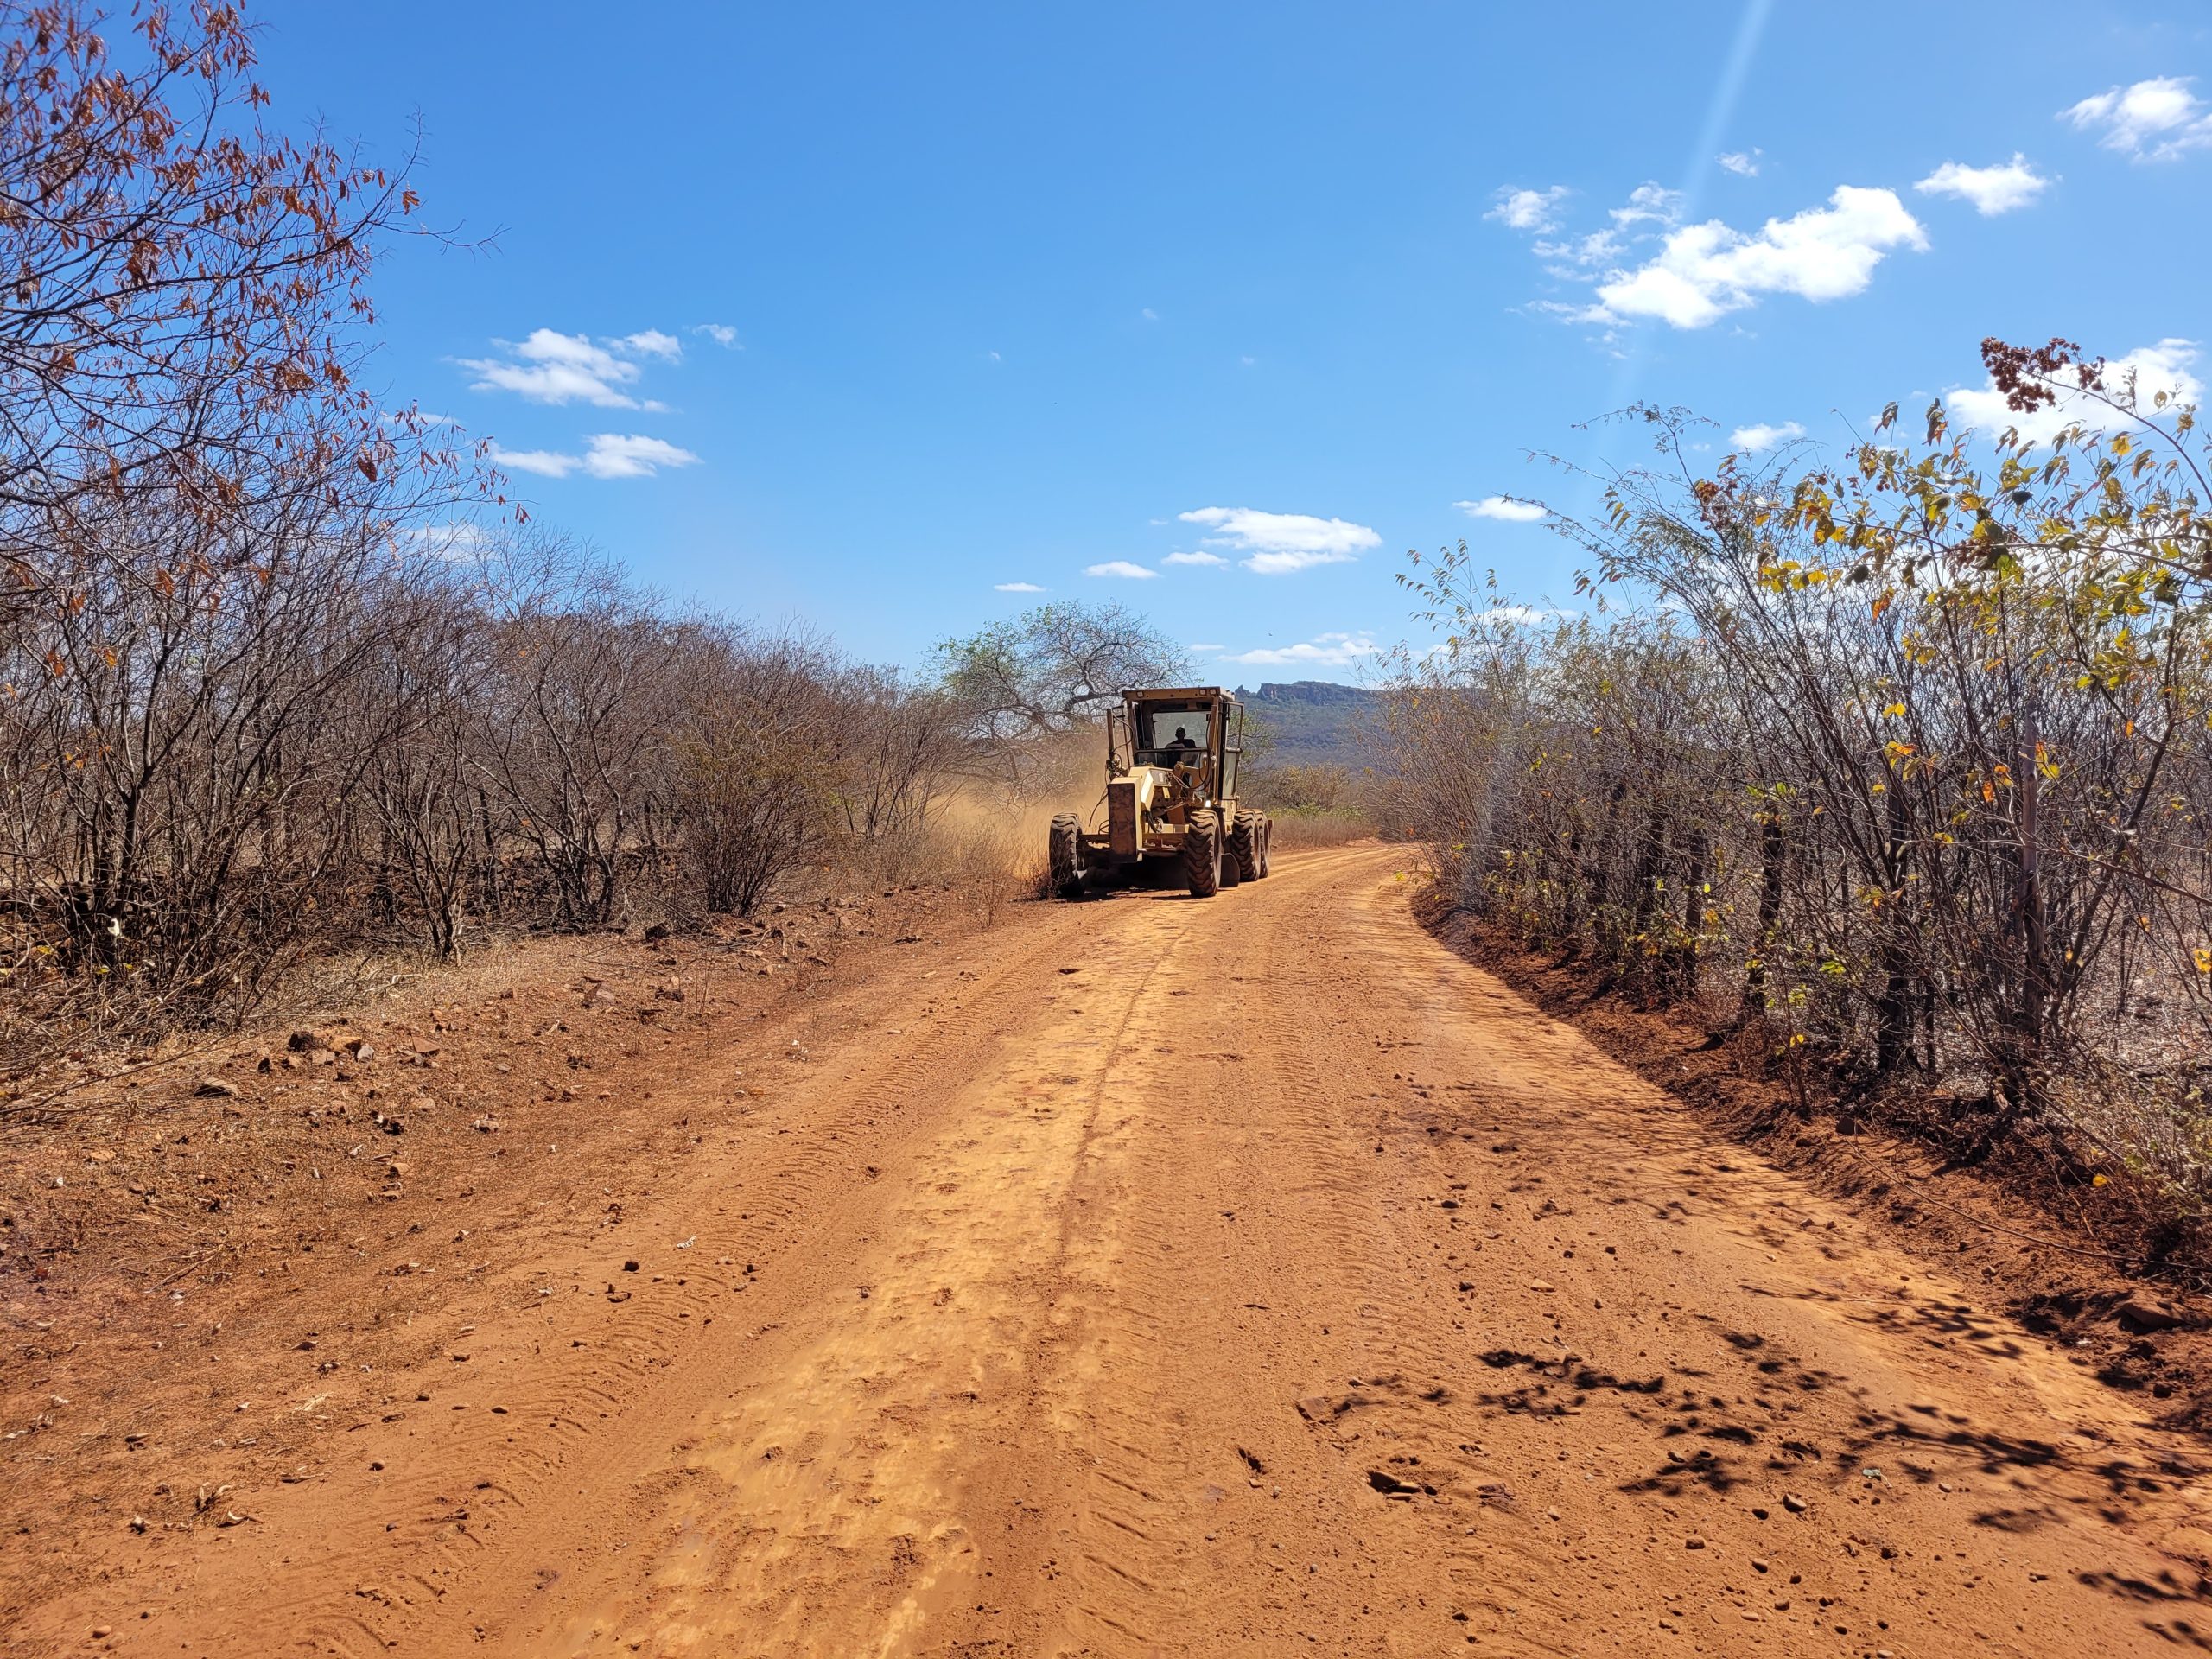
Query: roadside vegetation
column 287, row 687
column 1315, row 804
column 1894, row 768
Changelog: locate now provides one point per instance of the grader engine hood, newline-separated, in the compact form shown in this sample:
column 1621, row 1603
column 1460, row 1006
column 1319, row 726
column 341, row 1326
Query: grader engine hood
column 1132, row 801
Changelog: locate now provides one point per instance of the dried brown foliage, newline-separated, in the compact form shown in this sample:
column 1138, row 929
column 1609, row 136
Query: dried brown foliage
column 274, row 688
column 1902, row 762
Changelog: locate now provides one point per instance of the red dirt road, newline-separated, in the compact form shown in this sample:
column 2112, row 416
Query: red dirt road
column 1153, row 1276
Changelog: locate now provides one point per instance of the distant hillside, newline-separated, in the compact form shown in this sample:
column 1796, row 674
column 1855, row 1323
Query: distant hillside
column 1311, row 722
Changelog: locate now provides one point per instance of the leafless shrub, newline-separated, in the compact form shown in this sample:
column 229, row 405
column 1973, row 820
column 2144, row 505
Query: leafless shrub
column 422, row 782
column 899, row 740
column 1307, row 829
column 581, row 675
column 279, row 690
column 1311, row 806
column 1297, row 788
column 758, row 758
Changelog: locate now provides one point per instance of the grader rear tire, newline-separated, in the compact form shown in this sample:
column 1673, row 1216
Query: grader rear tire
column 1244, row 846
column 1202, row 856
column 1064, row 857
column 1267, row 839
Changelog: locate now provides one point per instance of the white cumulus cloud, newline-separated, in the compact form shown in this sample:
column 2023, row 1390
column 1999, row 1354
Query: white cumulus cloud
column 651, row 342
column 551, row 367
column 1194, row 558
column 1528, row 210
column 1499, row 507
column 2155, row 120
column 454, row 542
column 1018, row 587
column 1650, row 208
column 606, row 455
column 1584, row 255
column 1279, row 543
column 1323, row 651
column 2150, row 369
column 1123, row 568
column 1648, row 203
column 720, row 333
column 1744, row 163
column 610, row 455
column 557, row 368
column 546, row 463
column 1705, row 271
column 1752, row 439
column 1992, row 190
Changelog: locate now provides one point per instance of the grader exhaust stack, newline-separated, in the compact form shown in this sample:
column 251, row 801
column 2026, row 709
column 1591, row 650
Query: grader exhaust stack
column 1170, row 797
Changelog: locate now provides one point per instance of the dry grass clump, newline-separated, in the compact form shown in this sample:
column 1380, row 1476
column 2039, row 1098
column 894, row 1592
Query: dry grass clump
column 1306, row 828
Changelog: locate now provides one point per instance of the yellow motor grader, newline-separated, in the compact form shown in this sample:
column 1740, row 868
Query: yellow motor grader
column 1170, row 797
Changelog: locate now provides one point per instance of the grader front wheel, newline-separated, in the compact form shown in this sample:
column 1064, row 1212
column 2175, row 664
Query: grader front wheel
column 1202, row 854
column 1064, row 859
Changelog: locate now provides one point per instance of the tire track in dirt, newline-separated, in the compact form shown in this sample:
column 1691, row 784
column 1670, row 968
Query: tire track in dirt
column 820, row 1507
column 1671, row 1342
column 1459, row 1335
column 1275, row 1279
column 1230, row 1237
column 464, row 1491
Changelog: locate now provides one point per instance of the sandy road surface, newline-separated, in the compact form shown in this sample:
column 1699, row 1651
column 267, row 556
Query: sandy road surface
column 1249, row 1276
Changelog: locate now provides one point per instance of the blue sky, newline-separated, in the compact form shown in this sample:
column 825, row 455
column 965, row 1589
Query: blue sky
column 847, row 316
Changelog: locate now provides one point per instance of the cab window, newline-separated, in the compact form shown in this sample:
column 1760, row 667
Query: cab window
column 1166, row 734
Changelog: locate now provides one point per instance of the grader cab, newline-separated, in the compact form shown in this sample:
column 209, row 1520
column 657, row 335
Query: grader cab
column 1170, row 797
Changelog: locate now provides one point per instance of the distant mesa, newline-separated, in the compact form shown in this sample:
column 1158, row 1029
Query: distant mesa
column 1321, row 693
column 1313, row 723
